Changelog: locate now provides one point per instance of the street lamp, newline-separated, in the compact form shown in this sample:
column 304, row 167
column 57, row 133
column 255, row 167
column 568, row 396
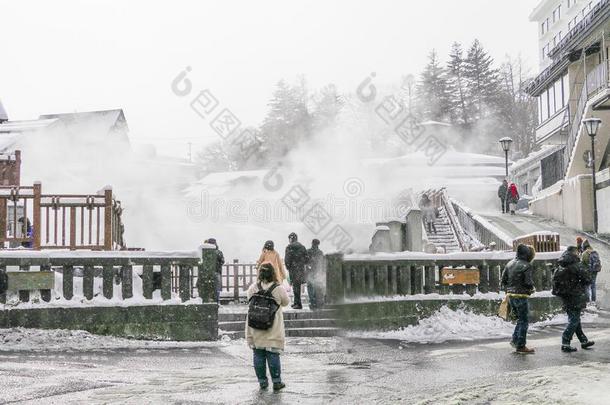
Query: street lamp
column 592, row 125
column 505, row 142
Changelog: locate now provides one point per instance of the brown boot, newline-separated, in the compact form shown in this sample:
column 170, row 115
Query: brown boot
column 525, row 350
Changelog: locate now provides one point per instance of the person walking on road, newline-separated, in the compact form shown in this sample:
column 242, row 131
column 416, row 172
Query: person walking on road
column 315, row 275
column 267, row 344
column 591, row 261
column 270, row 255
column 513, row 198
column 518, row 283
column 570, row 282
column 296, row 259
column 502, row 194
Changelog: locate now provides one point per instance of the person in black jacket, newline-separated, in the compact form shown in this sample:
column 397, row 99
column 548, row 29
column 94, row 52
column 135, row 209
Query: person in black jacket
column 315, row 275
column 220, row 261
column 518, row 283
column 295, row 259
column 502, row 195
column 570, row 283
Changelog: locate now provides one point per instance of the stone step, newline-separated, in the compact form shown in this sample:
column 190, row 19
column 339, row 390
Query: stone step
column 288, row 324
column 289, row 314
column 292, row 332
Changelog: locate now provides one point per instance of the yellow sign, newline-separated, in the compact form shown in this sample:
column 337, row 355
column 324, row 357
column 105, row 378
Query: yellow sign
column 459, row 276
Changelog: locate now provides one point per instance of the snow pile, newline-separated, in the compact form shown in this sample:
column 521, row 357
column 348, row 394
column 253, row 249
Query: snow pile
column 449, row 325
column 24, row 339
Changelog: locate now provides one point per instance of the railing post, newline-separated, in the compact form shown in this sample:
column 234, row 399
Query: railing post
column 108, row 281
column 417, row 273
column 108, row 218
column 72, row 228
column 166, row 282
column 37, row 231
column 127, row 281
column 484, row 278
column 88, row 276
column 184, row 275
column 147, row 281
column 3, row 284
column 235, row 280
column 494, row 277
column 334, row 278
column 404, row 280
column 429, row 279
column 206, row 280
column 68, row 282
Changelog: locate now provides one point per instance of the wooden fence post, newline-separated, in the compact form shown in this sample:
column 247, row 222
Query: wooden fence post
column 72, row 228
column 334, row 277
column 108, row 218
column 37, row 231
column 206, row 280
column 235, row 280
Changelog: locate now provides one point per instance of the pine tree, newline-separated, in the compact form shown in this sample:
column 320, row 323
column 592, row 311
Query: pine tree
column 456, row 83
column 432, row 95
column 482, row 81
column 327, row 106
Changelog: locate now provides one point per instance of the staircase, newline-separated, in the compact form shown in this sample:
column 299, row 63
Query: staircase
column 297, row 323
column 444, row 238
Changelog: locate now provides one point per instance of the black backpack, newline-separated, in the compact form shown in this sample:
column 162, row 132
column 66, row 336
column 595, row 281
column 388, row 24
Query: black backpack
column 561, row 281
column 262, row 308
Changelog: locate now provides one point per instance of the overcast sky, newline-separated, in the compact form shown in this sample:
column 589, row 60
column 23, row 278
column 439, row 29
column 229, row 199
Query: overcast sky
column 65, row 56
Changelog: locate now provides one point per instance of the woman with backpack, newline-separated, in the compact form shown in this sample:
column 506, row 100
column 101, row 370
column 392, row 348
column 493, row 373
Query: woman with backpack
column 265, row 325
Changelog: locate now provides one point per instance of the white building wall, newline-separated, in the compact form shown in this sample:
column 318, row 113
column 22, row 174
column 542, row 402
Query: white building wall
column 555, row 18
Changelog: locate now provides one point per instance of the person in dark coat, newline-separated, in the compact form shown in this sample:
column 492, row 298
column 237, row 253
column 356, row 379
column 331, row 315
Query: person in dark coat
column 518, row 283
column 576, row 280
column 502, row 194
column 295, row 260
column 590, row 259
column 315, row 275
column 220, row 261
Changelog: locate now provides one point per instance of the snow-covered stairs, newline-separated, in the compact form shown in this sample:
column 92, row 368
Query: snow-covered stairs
column 297, row 323
column 444, row 238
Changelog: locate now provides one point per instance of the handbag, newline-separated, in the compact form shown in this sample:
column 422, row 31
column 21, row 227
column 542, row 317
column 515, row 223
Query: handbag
column 504, row 310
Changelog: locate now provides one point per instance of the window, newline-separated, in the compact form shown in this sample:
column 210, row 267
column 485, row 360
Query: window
column 544, row 106
column 565, row 84
column 558, row 96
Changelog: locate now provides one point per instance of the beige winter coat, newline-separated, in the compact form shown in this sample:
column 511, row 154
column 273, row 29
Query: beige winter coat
column 273, row 257
column 274, row 337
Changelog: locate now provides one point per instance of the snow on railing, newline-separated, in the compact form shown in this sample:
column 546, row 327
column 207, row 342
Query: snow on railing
column 481, row 229
column 413, row 273
column 69, row 278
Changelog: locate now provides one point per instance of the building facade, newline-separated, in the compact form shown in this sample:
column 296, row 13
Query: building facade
column 572, row 85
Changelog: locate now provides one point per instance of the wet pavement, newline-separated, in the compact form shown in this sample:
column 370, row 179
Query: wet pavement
column 316, row 371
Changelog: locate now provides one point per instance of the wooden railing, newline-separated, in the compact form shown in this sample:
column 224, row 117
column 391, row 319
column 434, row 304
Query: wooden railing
column 542, row 242
column 102, row 276
column 237, row 277
column 358, row 276
column 34, row 220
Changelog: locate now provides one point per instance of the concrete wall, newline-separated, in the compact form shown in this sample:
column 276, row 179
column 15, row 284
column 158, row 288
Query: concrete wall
column 603, row 201
column 156, row 322
column 571, row 203
column 390, row 315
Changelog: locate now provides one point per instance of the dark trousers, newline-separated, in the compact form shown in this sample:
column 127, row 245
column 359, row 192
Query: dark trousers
column 573, row 326
column 504, row 204
column 431, row 228
column 520, row 307
column 296, row 289
column 262, row 358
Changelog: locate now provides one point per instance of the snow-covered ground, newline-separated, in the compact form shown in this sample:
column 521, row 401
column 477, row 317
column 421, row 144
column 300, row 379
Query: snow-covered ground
column 449, row 325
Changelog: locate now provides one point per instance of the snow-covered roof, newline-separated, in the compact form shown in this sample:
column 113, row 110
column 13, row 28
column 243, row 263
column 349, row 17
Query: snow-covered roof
column 25, row 125
column 449, row 158
column 106, row 120
column 534, row 157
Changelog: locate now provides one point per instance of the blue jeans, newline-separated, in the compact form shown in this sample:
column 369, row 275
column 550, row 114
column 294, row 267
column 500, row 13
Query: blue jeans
column 592, row 294
column 262, row 358
column 520, row 307
column 574, row 326
column 218, row 287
